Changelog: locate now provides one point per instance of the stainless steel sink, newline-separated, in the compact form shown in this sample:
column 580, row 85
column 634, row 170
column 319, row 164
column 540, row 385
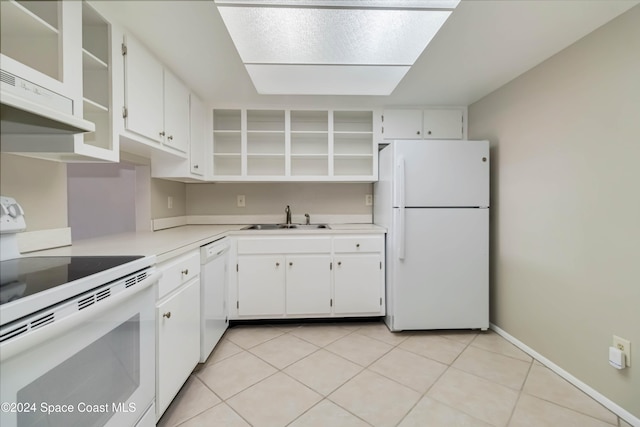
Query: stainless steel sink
column 287, row 227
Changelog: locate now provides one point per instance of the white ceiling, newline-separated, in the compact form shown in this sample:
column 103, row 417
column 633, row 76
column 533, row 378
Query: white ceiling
column 482, row 46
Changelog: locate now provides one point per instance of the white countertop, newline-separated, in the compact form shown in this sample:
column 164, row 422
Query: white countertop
column 169, row 243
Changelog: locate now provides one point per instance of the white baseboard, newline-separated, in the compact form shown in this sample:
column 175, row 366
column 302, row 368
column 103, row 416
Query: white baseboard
column 599, row 397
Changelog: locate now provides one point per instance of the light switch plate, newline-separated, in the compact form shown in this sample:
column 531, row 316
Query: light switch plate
column 241, row 202
column 368, row 200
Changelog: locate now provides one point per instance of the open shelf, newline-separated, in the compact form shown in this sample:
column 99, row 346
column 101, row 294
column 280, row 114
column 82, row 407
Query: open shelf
column 93, row 107
column 265, row 120
column 30, row 33
column 309, row 121
column 227, row 120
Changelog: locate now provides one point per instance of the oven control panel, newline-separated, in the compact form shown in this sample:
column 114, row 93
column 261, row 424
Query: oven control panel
column 11, row 216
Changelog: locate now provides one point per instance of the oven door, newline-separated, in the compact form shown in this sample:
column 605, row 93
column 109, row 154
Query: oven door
column 95, row 367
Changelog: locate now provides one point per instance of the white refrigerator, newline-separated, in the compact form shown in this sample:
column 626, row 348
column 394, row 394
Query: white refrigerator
column 433, row 198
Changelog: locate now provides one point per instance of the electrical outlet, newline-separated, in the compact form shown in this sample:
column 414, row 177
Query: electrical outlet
column 241, row 203
column 624, row 346
column 170, row 202
column 368, row 200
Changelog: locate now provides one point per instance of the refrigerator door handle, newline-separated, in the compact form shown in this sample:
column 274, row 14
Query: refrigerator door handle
column 400, row 179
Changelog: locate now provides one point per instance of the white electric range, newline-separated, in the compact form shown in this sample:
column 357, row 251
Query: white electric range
column 77, row 335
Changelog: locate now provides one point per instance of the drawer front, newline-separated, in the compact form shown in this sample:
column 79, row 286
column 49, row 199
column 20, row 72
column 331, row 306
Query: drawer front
column 178, row 271
column 281, row 245
column 355, row 244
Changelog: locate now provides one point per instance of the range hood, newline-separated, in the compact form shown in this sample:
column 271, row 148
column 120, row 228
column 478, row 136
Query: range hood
column 30, row 109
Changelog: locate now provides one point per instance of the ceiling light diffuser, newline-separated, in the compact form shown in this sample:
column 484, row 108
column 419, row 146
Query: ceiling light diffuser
column 369, row 44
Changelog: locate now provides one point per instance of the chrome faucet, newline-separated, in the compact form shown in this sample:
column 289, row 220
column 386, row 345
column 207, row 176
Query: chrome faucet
column 288, row 212
column 308, row 222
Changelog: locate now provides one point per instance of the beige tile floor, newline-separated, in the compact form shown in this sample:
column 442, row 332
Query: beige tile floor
column 360, row 374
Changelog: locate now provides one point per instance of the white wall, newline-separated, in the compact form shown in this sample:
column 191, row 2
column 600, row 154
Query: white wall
column 566, row 205
column 40, row 186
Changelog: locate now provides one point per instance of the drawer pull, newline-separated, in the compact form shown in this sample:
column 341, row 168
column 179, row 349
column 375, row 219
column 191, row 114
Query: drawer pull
column 185, row 271
column 290, row 264
column 339, row 262
column 357, row 245
column 167, row 315
column 277, row 264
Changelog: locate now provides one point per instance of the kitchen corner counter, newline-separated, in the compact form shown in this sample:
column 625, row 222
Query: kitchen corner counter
column 171, row 242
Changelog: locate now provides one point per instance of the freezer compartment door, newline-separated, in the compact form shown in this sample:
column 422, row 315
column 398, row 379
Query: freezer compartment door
column 441, row 173
column 442, row 282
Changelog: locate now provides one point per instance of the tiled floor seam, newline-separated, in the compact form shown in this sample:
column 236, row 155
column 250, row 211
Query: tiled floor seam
column 574, row 410
column 520, row 393
column 501, row 354
column 425, row 395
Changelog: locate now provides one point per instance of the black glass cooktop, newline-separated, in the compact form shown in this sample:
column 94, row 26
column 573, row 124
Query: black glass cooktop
column 26, row 276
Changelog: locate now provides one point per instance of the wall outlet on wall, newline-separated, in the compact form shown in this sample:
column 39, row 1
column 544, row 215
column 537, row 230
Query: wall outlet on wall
column 241, row 203
column 368, row 200
column 624, row 346
column 169, row 202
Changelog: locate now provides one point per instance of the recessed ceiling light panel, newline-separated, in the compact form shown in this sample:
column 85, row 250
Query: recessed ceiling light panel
column 284, row 79
column 324, row 47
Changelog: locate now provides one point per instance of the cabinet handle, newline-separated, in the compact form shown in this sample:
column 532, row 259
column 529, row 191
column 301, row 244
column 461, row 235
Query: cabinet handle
column 170, row 137
column 195, row 166
column 418, row 133
column 167, row 315
column 428, row 132
column 290, row 264
column 277, row 264
column 339, row 262
column 357, row 245
column 185, row 271
column 162, row 133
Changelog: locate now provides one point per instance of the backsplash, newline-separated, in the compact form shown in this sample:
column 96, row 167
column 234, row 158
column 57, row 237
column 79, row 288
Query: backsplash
column 272, row 198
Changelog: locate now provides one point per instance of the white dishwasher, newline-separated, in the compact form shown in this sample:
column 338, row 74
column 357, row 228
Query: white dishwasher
column 213, row 297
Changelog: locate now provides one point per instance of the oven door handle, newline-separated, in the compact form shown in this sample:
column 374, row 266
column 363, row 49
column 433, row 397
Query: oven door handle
column 15, row 346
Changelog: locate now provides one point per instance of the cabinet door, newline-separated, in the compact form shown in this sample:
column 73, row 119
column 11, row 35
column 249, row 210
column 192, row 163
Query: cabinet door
column 198, row 138
column 442, row 124
column 402, row 124
column 308, row 284
column 143, row 92
column 261, row 285
column 357, row 283
column 178, row 329
column 176, row 113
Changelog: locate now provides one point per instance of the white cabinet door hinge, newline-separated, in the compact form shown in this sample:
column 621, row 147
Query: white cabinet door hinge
column 124, row 112
column 124, row 49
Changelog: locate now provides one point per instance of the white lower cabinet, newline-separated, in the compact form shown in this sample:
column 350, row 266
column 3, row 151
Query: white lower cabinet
column 356, row 284
column 310, row 276
column 177, row 326
column 260, row 285
column 308, row 284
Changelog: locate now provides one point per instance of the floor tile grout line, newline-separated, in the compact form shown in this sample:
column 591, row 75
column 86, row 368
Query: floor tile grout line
column 520, row 392
column 575, row 388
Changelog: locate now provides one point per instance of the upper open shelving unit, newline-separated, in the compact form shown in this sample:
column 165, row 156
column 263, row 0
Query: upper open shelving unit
column 294, row 145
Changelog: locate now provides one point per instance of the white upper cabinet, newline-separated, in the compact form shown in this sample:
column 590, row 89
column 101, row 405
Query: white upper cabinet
column 63, row 51
column 437, row 123
column 41, row 44
column 156, row 102
column 294, row 145
column 442, row 124
column 198, row 137
column 402, row 124
column 144, row 93
column 176, row 113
